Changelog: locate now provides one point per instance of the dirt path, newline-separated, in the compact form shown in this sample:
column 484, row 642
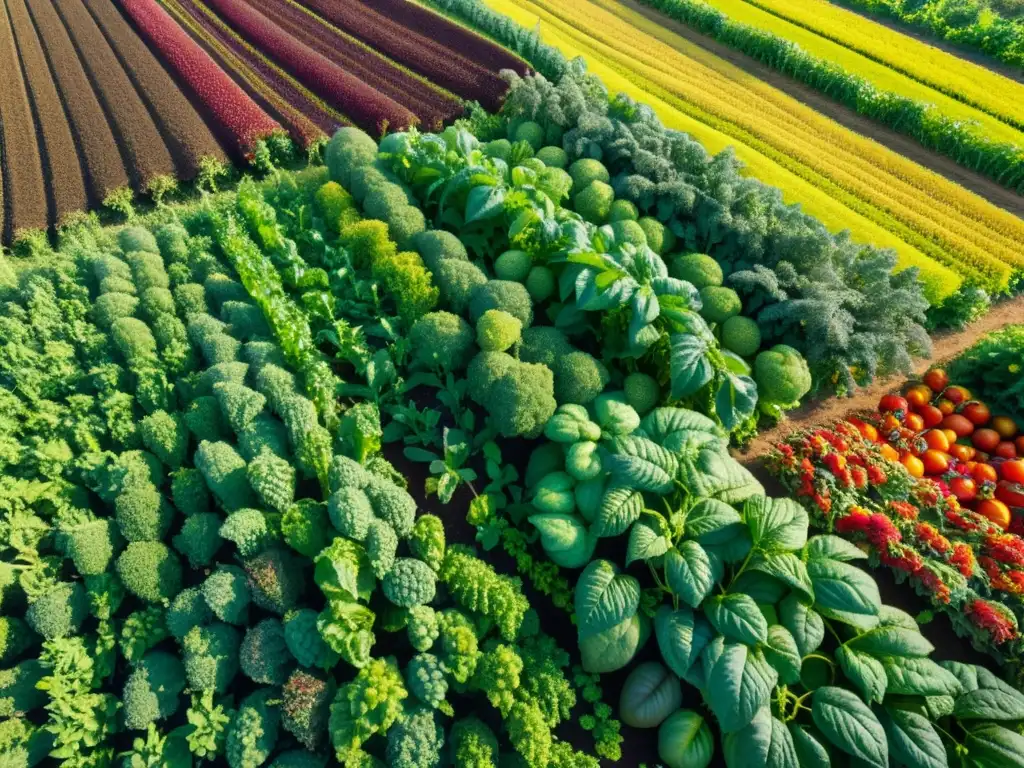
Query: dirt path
column 946, row 346
column 848, row 118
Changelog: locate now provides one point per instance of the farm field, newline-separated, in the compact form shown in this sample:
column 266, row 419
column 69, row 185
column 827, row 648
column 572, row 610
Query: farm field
column 523, row 385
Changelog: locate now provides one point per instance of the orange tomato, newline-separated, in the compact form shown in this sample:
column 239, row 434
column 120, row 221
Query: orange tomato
column 937, row 439
column 889, row 452
column 935, row 462
column 951, row 435
column 932, row 416
column 984, row 473
column 1005, row 426
column 945, row 406
column 1011, row 494
column 913, row 422
column 976, row 412
column 985, row 440
column 1013, row 471
column 867, row 431
column 936, row 379
column 959, row 424
column 964, row 488
column 914, row 465
column 996, row 511
column 918, row 395
column 961, row 452
column 957, row 394
column 1006, row 450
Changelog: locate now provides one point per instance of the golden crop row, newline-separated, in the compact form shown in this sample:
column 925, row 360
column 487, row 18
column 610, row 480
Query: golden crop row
column 939, row 218
column 957, row 77
column 829, row 207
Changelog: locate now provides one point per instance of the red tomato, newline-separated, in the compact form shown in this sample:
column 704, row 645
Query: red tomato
column 1011, row 494
column 976, row 412
column 914, row 465
column 953, row 437
column 946, row 407
column 1005, row 426
column 893, row 404
column 935, row 462
column 996, row 511
column 932, row 416
column 984, row 473
column 936, row 379
column 985, row 440
column 959, row 424
column 1013, row 470
column 913, row 422
column 918, row 396
column 957, row 395
column 1006, row 450
column 964, row 488
column 937, row 439
column 961, row 452
column 889, row 452
column 1020, row 445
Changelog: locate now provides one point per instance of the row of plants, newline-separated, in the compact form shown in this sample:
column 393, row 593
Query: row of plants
column 964, row 143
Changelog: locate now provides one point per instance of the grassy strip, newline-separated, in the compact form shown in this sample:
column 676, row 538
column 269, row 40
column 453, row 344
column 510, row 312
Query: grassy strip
column 959, row 133
column 306, row 116
column 188, row 137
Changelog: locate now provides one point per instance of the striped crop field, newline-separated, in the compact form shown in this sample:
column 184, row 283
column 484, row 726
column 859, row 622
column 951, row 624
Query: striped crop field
column 938, row 219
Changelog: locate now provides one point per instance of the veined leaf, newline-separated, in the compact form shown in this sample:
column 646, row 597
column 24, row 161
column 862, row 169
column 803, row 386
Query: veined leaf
column 839, row 586
column 782, row 653
column 604, row 598
column 864, row 671
column 689, row 364
column 691, row 573
column 834, row 548
column 992, row 746
column 737, row 617
column 847, row 723
column 646, row 541
column 707, row 516
column 735, row 399
column 740, row 683
column 920, row 677
column 803, row 622
column 787, row 568
column 620, row 508
column 912, row 739
column 776, row 524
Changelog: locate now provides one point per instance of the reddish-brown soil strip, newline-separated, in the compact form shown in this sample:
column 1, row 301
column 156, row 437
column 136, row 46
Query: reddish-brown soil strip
column 103, row 164
column 24, row 195
column 186, row 135
column 62, row 169
column 239, row 120
column 365, row 106
column 467, row 43
column 431, row 105
column 415, row 50
column 145, row 152
column 304, row 114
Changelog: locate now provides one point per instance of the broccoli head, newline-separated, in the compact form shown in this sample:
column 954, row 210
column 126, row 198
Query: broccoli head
column 540, row 284
column 350, row 512
column 381, row 547
column 151, row 692
column 248, row 530
column 497, row 331
column 698, row 269
column 553, row 157
column 579, row 378
column 642, row 392
column 304, row 641
column 188, row 609
column 522, row 401
column 782, row 378
column 586, row 170
column 473, row 743
column 304, row 527
column 264, row 433
column 530, row 132
column 347, row 472
column 199, row 539
column 457, row 280
column 442, row 340
column 165, row 436
column 660, row 238
column 59, row 611
column 263, row 655
column 202, row 417
column 238, row 404
column 424, row 676
column 484, row 370
column 349, row 149
column 226, row 591
column 273, row 480
column 409, row 582
column 91, row 546
column 594, row 202
column 416, row 740
column 15, row 638
column 741, row 335
column 306, row 706
column 210, row 656
column 624, row 210
column 18, row 692
column 253, row 732
column 544, row 344
column 275, row 580
column 150, row 571
column 513, row 265
column 629, row 231
column 505, row 295
column 499, row 148
column 225, row 474
column 427, row 540
column 423, row 627
column 719, row 303
column 437, row 245
column 392, row 504
column 189, row 491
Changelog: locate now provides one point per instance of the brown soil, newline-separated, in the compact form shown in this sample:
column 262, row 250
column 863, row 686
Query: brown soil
column 61, row 165
column 144, row 151
column 849, row 118
column 183, row 130
column 104, row 168
column 946, row 345
column 24, row 202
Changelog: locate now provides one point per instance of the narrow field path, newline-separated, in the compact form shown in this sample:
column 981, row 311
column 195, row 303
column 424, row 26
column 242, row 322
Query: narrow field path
column 187, row 136
column 946, row 346
column 145, row 152
column 62, row 167
column 905, row 145
column 23, row 198
column 104, row 169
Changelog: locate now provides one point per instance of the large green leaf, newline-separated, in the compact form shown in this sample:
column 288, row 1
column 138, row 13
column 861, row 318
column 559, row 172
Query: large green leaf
column 764, row 589
column 647, row 540
column 604, row 598
column 680, row 430
column 613, row 648
column 781, row 652
column 713, row 473
column 992, row 746
column 847, row 723
column 640, row 463
column 893, row 641
column 620, row 508
column 803, row 622
column 484, row 202
column 990, row 704
column 787, row 568
column 839, row 586
column 809, row 749
column 735, row 399
column 708, row 516
column 565, row 539
column 689, row 366
column 737, row 617
column 691, row 573
column 681, row 637
column 912, row 739
column 864, row 671
column 776, row 525
column 740, row 683
column 919, row 677
column 828, row 546
column 765, row 742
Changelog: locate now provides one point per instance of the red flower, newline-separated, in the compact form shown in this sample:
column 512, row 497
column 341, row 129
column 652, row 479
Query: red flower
column 963, row 559
column 903, row 510
column 859, row 476
column 930, row 536
column 876, row 475
column 1006, row 548
column 992, row 618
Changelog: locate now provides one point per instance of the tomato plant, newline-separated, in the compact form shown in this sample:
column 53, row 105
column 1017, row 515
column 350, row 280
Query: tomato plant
column 935, row 462
column 946, row 407
column 962, row 452
column 914, row 422
column 918, row 396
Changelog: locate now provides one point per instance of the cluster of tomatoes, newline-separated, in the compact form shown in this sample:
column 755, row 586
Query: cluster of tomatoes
column 937, row 430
